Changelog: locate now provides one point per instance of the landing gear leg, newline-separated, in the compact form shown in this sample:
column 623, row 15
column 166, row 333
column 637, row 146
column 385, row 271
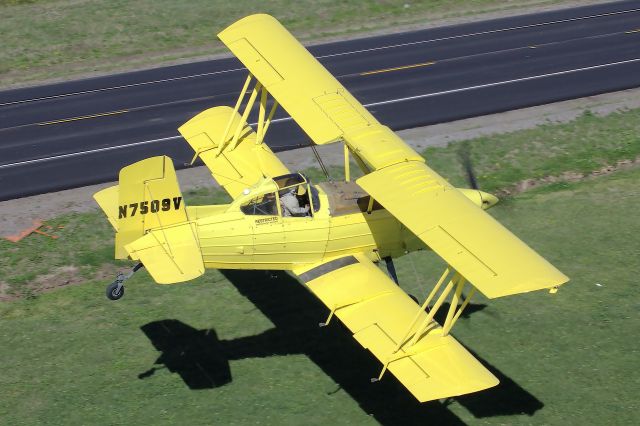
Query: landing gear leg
column 115, row 290
column 391, row 269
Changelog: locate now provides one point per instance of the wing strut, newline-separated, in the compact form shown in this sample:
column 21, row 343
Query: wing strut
column 236, row 108
column 264, row 119
column 458, row 282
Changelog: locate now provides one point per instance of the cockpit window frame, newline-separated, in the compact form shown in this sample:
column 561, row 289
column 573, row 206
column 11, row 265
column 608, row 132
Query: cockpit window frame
column 275, row 199
column 314, row 199
column 292, row 179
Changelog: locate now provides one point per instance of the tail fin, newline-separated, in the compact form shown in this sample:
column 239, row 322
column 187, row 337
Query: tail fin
column 148, row 197
column 151, row 222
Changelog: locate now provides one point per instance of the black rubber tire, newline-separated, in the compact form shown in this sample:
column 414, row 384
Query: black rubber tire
column 112, row 293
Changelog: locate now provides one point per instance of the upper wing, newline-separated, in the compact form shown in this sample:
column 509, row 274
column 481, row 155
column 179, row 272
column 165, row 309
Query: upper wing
column 383, row 319
column 467, row 238
column 304, row 88
column 470, row 240
column 233, row 167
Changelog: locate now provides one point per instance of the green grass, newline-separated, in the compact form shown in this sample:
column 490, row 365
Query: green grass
column 252, row 344
column 581, row 146
column 57, row 38
column 72, row 357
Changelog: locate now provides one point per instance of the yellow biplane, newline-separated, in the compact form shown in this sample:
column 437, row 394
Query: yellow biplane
column 330, row 235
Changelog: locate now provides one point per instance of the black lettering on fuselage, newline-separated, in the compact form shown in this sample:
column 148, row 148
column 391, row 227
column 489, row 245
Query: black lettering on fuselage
column 267, row 220
column 176, row 202
column 145, row 207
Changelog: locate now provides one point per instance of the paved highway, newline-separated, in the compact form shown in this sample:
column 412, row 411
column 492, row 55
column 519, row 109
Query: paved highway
column 82, row 132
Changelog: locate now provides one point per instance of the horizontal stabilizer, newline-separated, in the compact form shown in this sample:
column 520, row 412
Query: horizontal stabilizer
column 107, row 199
column 171, row 254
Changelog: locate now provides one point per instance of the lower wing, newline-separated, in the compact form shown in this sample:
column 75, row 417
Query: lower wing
column 234, row 166
column 430, row 363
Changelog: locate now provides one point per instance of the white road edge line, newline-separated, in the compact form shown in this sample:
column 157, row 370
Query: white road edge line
column 90, row 151
column 124, row 86
column 500, row 83
column 519, row 27
column 373, row 104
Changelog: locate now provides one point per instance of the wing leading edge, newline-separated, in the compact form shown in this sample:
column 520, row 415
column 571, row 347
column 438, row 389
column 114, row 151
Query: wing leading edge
column 486, row 253
column 383, row 319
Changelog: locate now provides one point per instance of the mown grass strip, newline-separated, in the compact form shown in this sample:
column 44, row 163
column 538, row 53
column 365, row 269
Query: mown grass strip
column 56, row 38
column 236, row 348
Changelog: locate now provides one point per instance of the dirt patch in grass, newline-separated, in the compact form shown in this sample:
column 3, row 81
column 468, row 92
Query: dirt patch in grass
column 4, row 292
column 59, row 277
column 567, row 177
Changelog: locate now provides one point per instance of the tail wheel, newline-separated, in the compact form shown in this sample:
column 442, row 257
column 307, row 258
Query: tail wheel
column 113, row 292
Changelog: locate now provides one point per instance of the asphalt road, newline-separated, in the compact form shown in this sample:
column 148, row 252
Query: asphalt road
column 82, row 132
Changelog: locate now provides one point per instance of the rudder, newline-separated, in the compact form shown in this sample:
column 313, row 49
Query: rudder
column 148, row 197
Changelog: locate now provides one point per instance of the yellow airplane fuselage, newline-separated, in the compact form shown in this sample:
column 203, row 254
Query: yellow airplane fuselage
column 231, row 239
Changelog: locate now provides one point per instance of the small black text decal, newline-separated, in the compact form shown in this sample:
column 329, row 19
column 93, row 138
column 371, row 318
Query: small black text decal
column 144, row 207
column 267, row 220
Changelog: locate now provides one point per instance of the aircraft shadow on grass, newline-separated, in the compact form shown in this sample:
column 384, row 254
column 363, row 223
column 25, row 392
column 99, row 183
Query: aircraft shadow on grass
column 202, row 359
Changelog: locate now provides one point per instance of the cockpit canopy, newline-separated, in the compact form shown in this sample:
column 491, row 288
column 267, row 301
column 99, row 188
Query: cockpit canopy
column 289, row 180
column 263, row 198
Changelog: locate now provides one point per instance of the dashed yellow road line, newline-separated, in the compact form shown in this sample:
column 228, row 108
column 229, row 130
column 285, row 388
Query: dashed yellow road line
column 424, row 64
column 84, row 117
column 633, row 31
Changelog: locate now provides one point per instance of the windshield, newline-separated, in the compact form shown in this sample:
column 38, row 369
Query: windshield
column 263, row 205
column 315, row 198
column 289, row 180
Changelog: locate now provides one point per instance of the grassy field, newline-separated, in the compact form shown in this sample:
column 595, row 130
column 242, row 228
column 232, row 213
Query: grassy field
column 44, row 39
column 244, row 348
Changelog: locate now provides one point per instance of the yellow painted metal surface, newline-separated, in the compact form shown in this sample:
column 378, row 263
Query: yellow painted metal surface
column 383, row 319
column 304, row 88
column 400, row 205
column 233, row 168
column 147, row 210
column 481, row 199
column 485, row 252
column 171, row 254
column 467, row 238
column 148, row 197
column 107, row 199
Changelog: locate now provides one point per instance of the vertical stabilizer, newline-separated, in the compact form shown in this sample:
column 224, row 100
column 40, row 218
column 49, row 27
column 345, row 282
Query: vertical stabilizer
column 148, row 198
